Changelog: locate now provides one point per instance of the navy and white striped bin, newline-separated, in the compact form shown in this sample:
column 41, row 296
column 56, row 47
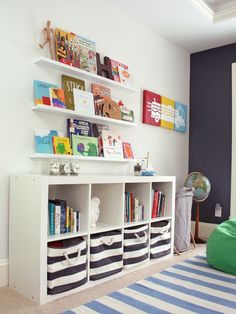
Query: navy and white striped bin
column 105, row 254
column 67, row 265
column 135, row 246
column 160, row 243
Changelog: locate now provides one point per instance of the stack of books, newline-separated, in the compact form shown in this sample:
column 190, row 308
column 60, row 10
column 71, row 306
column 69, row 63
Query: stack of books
column 62, row 218
column 158, row 204
column 133, row 210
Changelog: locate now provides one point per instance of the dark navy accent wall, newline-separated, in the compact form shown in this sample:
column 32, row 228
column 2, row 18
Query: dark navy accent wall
column 210, row 126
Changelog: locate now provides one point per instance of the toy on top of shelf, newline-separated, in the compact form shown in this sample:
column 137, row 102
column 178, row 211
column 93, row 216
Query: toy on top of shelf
column 146, row 170
column 94, row 211
column 104, row 69
column 48, row 39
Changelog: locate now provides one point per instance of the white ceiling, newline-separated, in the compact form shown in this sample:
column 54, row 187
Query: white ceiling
column 193, row 25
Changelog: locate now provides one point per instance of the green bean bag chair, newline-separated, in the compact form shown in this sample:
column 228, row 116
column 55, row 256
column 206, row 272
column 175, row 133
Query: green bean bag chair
column 221, row 247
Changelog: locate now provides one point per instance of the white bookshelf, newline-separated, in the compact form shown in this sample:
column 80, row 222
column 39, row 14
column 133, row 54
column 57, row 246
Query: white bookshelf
column 28, row 235
column 73, row 114
column 70, row 70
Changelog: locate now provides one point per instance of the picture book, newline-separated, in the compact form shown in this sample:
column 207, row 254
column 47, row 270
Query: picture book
column 151, row 108
column 68, row 84
column 87, row 54
column 75, row 50
column 57, row 97
column 42, row 93
column 83, row 102
column 99, row 90
column 112, row 144
column 61, row 145
column 43, row 140
column 78, row 127
column 167, row 113
column 67, row 48
column 180, row 117
column 84, row 145
column 127, row 151
column 115, row 70
column 124, row 75
column 97, row 132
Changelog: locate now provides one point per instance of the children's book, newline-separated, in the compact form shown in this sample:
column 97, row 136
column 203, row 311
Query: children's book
column 97, row 132
column 127, row 151
column 124, row 75
column 67, row 48
column 43, row 140
column 57, row 97
column 115, row 70
column 84, row 145
column 78, row 127
column 87, row 54
column 112, row 144
column 42, row 93
column 61, row 145
column 83, row 102
column 99, row 90
column 75, row 50
column 68, row 84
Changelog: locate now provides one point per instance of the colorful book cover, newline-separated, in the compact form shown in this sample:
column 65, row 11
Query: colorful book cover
column 127, row 151
column 167, row 113
column 124, row 75
column 180, row 117
column 68, row 84
column 99, row 90
column 151, row 108
column 57, row 97
column 84, row 145
column 44, row 139
column 83, row 101
column 115, row 69
column 112, row 144
column 67, row 48
column 61, row 145
column 42, row 93
column 78, row 127
column 87, row 54
column 97, row 132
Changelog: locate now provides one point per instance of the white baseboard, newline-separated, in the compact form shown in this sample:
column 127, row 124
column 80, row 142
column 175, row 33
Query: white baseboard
column 205, row 229
column 3, row 273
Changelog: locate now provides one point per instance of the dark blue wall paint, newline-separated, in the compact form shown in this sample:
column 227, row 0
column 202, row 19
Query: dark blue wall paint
column 210, row 126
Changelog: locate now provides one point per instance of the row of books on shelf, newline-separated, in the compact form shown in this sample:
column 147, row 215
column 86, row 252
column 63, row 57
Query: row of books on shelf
column 134, row 211
column 158, row 204
column 80, row 52
column 83, row 139
column 62, row 218
column 72, row 96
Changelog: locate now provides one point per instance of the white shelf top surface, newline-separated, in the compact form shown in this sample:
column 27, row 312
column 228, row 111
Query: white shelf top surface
column 68, row 235
column 74, row 114
column 80, row 158
column 65, row 68
column 97, row 179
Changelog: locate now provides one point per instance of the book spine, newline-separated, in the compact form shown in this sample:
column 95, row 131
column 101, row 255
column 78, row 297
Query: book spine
column 51, row 213
column 136, row 211
column 74, row 221
column 57, row 219
column 77, row 221
column 63, row 217
column 159, row 205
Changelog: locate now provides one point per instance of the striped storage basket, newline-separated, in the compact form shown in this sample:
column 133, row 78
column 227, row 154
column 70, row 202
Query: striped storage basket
column 135, row 246
column 67, row 261
column 105, row 254
column 160, row 239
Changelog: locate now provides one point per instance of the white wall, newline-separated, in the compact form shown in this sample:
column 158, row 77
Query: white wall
column 156, row 64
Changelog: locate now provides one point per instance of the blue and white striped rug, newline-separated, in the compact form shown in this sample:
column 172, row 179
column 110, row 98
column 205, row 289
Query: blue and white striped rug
column 188, row 287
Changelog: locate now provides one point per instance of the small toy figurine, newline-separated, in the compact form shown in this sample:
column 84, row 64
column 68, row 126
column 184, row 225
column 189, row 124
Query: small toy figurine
column 94, row 211
column 48, row 39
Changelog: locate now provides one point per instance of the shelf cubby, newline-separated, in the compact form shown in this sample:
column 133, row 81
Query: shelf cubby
column 167, row 189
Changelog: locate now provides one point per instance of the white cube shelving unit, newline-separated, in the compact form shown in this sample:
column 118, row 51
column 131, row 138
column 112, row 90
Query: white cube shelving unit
column 29, row 221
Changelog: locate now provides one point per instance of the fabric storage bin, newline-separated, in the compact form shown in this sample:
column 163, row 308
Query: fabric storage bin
column 160, row 239
column 105, row 254
column 135, row 246
column 67, row 265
